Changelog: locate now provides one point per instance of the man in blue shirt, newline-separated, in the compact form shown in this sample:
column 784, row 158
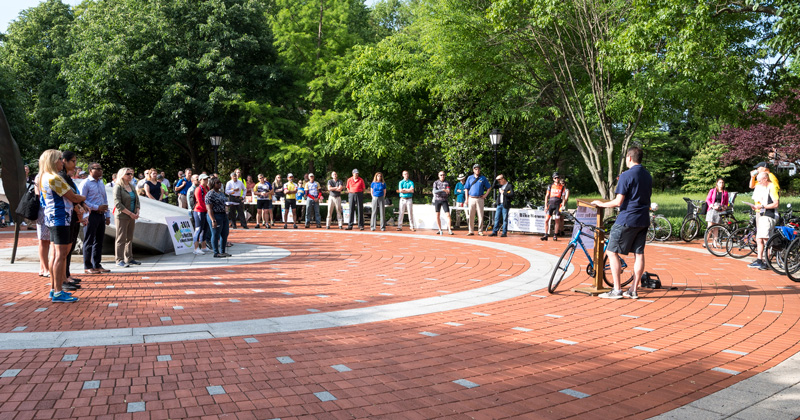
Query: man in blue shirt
column 182, row 186
column 477, row 187
column 96, row 199
column 461, row 198
column 629, row 232
column 406, row 190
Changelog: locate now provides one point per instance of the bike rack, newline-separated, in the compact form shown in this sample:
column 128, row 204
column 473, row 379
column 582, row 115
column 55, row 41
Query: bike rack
column 599, row 239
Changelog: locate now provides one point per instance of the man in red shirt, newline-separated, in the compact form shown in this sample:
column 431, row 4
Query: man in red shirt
column 355, row 199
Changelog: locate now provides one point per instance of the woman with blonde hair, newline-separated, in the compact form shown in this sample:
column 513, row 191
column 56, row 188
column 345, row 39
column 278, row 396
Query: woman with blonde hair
column 58, row 199
column 126, row 211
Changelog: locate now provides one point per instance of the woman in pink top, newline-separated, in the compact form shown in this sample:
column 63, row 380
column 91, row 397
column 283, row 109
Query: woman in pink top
column 201, row 230
column 717, row 201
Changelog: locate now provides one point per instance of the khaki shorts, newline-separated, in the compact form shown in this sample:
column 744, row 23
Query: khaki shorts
column 764, row 226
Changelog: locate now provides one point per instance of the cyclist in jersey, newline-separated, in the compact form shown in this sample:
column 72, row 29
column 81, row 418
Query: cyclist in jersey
column 556, row 201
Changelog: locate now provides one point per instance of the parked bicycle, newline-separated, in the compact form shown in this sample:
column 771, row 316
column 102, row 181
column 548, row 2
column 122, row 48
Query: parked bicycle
column 742, row 241
column 566, row 259
column 777, row 244
column 660, row 228
column 716, row 237
column 691, row 222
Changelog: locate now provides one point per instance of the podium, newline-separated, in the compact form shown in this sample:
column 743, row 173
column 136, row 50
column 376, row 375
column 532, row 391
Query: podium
column 597, row 255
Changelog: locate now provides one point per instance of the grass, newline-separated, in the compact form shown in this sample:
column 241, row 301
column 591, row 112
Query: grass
column 674, row 208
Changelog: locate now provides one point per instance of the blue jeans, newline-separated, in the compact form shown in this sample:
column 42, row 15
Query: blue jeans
column 219, row 235
column 312, row 205
column 201, row 227
column 501, row 215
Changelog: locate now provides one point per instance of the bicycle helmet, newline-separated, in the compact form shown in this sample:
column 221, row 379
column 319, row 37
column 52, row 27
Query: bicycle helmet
column 654, row 206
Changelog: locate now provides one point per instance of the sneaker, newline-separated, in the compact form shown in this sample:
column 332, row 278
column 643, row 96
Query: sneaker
column 134, row 262
column 383, row 229
column 630, row 294
column 503, row 235
column 763, row 266
column 451, row 232
column 122, row 264
column 198, row 251
column 555, row 237
column 267, row 226
column 70, row 286
column 284, row 225
column 63, row 297
column 493, row 234
column 614, row 294
column 755, row 264
column 225, row 254
column 544, row 238
column 216, row 255
column 258, row 226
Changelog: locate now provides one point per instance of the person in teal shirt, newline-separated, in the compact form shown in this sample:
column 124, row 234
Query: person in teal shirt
column 461, row 198
column 406, row 191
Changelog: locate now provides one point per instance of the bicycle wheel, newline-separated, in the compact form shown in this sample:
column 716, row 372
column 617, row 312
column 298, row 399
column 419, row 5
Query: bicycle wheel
column 562, row 266
column 775, row 252
column 716, row 240
column 792, row 260
column 663, row 228
column 689, row 228
column 742, row 242
column 625, row 277
column 651, row 232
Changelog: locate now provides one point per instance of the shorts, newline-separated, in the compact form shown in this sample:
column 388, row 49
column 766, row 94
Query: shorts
column 624, row 239
column 439, row 205
column 60, row 235
column 264, row 204
column 290, row 203
column 553, row 206
column 764, row 226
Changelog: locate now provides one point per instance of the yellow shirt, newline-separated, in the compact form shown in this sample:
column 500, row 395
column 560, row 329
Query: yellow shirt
column 772, row 178
column 291, row 190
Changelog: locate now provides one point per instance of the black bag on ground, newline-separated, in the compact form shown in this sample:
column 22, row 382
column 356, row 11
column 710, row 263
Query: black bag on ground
column 650, row 281
column 29, row 204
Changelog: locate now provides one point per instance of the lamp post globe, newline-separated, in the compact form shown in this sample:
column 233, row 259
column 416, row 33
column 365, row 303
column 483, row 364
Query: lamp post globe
column 216, row 140
column 495, row 136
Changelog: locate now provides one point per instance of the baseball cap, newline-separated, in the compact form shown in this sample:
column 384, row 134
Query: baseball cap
column 476, row 166
column 556, row 175
column 761, row 165
column 461, row 176
column 310, row 175
column 289, row 175
column 202, row 176
column 355, row 171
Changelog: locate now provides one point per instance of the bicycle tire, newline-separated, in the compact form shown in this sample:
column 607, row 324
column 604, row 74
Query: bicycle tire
column 663, row 228
column 651, row 233
column 775, row 253
column 792, row 260
column 689, row 228
column 742, row 242
column 716, row 240
column 625, row 277
column 560, row 269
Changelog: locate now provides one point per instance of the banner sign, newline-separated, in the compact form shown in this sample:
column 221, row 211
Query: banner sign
column 588, row 216
column 526, row 220
column 180, row 229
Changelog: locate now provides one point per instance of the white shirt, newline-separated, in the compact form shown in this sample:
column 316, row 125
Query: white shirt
column 232, row 185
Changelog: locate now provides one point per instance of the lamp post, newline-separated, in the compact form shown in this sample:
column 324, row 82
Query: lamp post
column 216, row 140
column 494, row 137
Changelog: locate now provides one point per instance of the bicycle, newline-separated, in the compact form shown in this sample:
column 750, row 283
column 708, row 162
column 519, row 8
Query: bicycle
column 742, row 241
column 660, row 228
column 777, row 244
column 691, row 222
column 716, row 237
column 566, row 258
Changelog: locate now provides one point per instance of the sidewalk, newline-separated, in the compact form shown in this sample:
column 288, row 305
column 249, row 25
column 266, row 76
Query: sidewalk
column 368, row 325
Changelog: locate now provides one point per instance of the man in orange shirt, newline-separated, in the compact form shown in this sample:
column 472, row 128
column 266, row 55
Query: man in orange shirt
column 355, row 199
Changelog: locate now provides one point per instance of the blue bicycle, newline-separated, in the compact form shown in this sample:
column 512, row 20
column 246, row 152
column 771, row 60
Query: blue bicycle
column 566, row 258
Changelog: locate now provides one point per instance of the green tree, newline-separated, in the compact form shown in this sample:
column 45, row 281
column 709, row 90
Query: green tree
column 705, row 168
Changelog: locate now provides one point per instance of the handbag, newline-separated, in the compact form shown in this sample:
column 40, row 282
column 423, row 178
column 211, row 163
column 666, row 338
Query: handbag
column 29, row 204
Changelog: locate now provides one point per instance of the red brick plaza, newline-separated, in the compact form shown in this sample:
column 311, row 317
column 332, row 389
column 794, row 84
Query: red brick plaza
column 399, row 326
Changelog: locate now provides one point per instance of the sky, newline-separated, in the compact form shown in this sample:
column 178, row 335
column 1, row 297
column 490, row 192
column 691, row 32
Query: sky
column 10, row 9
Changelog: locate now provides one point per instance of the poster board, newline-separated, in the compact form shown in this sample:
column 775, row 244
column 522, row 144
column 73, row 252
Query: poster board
column 526, row 220
column 181, row 232
column 587, row 215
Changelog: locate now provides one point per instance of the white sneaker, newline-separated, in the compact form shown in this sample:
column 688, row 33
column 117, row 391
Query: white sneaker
column 206, row 250
column 198, row 251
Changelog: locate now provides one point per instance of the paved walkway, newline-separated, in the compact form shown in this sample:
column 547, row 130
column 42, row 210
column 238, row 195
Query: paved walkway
column 332, row 324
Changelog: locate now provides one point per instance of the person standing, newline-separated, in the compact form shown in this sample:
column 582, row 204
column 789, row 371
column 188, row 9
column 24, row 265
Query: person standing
column 191, row 202
column 164, row 180
column 57, row 199
column 152, row 188
column 126, row 211
column 313, row 197
column 477, row 187
column 629, row 232
column 355, row 199
column 461, row 198
column 441, row 194
column 378, row 191
column 42, row 234
column 506, row 194
column 406, row 190
column 762, row 167
column 70, row 168
column 556, row 200
column 202, row 232
column 335, row 187
column 263, row 193
column 290, row 202
column 277, row 197
column 235, row 189
column 765, row 195
column 182, row 186
column 217, row 219
column 97, row 200
column 717, row 202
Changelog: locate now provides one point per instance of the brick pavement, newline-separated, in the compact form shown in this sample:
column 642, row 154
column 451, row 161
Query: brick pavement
column 530, row 356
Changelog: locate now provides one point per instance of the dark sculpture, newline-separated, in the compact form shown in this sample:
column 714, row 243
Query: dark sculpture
column 13, row 175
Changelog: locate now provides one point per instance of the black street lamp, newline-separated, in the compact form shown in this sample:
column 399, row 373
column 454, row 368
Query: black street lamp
column 494, row 137
column 216, row 140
